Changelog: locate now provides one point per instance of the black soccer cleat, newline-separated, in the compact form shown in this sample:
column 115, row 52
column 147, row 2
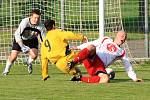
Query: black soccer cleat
column 76, row 78
column 46, row 78
column 30, row 68
column 71, row 64
column 112, row 75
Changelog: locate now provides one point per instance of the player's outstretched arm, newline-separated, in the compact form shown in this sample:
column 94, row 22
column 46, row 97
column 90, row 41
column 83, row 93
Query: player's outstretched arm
column 74, row 48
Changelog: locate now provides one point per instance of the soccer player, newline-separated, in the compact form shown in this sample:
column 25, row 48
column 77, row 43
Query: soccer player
column 55, row 49
column 26, row 40
column 99, row 54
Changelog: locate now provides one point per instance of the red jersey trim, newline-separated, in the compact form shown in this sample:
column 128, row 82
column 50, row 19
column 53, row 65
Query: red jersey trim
column 123, row 53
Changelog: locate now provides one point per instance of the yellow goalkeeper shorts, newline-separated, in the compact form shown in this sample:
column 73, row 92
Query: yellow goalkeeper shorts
column 62, row 64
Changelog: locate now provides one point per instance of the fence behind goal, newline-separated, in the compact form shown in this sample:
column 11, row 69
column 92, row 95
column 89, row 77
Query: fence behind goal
column 80, row 16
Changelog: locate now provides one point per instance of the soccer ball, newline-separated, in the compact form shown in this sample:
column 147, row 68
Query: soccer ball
column 111, row 73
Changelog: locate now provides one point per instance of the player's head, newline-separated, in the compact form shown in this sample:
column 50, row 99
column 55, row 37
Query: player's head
column 35, row 16
column 120, row 37
column 49, row 24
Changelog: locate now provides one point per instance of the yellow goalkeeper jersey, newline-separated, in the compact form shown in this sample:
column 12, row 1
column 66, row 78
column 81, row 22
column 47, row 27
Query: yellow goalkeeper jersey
column 54, row 45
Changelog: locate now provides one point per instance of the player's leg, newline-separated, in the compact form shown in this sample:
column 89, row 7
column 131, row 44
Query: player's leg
column 100, row 78
column 96, row 70
column 33, row 53
column 13, row 56
column 77, row 76
column 10, row 61
column 87, row 52
column 44, row 63
column 104, row 78
column 62, row 64
column 90, row 70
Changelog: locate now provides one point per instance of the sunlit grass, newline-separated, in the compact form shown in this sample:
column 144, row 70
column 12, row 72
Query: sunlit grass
column 18, row 85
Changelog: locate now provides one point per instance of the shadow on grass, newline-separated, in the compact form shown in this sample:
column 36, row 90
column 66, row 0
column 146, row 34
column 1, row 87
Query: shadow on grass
column 17, row 74
column 125, row 80
column 119, row 80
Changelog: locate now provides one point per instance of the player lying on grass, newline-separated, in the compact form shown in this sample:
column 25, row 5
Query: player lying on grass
column 55, row 49
column 26, row 40
column 99, row 54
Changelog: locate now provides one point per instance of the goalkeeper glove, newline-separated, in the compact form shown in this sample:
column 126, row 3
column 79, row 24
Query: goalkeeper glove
column 25, row 49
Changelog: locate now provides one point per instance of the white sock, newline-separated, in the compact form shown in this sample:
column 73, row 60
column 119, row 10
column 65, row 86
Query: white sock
column 30, row 60
column 8, row 66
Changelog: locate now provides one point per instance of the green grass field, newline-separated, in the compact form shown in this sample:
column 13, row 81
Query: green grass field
column 18, row 85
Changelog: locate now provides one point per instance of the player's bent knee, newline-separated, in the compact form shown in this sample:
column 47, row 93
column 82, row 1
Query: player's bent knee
column 12, row 59
column 92, row 50
column 91, row 47
column 104, row 78
column 33, row 53
column 34, row 56
column 13, row 56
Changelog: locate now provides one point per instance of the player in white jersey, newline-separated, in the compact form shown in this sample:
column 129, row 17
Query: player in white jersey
column 26, row 40
column 99, row 54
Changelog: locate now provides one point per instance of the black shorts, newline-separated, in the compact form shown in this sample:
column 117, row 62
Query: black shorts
column 100, row 72
column 32, row 43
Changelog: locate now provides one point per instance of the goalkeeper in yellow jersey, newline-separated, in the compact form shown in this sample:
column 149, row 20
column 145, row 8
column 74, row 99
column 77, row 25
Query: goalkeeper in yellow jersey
column 55, row 49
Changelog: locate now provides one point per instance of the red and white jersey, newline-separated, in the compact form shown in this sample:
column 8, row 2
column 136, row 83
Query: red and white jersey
column 109, row 52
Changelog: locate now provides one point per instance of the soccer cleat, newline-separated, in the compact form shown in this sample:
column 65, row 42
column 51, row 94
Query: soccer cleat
column 76, row 78
column 5, row 73
column 30, row 68
column 112, row 75
column 46, row 78
column 71, row 64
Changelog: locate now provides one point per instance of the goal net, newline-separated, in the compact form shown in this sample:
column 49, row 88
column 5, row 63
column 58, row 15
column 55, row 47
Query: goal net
column 79, row 16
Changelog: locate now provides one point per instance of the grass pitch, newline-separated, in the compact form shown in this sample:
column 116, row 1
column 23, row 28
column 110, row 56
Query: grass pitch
column 18, row 85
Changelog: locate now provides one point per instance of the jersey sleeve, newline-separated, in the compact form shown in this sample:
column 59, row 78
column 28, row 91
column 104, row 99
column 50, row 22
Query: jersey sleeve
column 84, row 45
column 129, row 68
column 96, row 43
column 42, row 34
column 68, row 35
column 20, row 29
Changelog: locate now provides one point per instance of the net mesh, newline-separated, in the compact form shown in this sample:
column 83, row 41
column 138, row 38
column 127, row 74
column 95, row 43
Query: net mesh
column 79, row 16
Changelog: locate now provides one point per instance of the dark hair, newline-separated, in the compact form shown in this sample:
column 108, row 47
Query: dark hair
column 35, row 11
column 49, row 24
